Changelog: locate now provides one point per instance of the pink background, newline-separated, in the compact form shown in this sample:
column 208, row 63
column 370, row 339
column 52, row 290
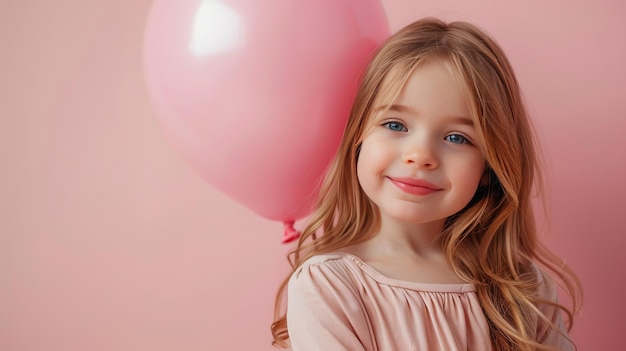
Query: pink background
column 109, row 241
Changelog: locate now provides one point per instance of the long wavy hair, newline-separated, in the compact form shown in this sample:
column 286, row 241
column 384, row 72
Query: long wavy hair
column 492, row 243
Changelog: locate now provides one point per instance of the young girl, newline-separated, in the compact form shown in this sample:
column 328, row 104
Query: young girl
column 423, row 236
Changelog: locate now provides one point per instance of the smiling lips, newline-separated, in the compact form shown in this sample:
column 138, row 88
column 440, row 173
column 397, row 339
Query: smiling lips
column 415, row 186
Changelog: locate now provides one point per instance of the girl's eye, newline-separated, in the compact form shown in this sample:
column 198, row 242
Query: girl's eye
column 395, row 126
column 457, row 139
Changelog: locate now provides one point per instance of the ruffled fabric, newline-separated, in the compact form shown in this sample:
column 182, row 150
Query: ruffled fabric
column 338, row 302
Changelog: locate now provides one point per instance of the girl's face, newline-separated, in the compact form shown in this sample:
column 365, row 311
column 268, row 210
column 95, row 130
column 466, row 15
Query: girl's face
column 419, row 161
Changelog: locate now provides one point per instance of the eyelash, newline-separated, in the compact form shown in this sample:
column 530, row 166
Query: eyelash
column 463, row 141
column 403, row 128
column 388, row 126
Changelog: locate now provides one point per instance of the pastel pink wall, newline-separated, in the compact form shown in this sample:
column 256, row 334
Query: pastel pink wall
column 108, row 241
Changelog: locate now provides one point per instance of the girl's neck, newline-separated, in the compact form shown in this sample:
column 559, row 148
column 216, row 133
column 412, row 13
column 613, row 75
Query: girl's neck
column 420, row 239
column 409, row 252
column 401, row 239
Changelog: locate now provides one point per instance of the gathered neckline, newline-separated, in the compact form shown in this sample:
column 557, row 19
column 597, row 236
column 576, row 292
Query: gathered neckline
column 407, row 284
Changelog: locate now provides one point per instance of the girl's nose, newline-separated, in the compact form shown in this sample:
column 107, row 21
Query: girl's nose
column 421, row 156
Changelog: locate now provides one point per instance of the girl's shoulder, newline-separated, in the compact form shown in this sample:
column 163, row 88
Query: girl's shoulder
column 343, row 263
column 547, row 287
column 340, row 270
column 324, row 277
column 323, row 258
column 327, row 264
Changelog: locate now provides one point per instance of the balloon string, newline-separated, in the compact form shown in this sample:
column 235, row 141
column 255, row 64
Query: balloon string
column 290, row 233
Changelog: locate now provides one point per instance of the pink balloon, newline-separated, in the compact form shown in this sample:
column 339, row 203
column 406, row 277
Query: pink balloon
column 255, row 94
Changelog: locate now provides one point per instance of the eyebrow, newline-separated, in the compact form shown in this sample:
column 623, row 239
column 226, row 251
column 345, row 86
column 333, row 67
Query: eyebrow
column 397, row 108
column 407, row 109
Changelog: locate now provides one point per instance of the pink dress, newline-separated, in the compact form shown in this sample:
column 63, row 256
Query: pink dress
column 338, row 302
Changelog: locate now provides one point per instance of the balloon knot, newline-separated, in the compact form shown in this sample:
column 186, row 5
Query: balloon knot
column 290, row 233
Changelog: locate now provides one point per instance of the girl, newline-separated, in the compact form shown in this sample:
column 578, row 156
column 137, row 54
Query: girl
column 429, row 241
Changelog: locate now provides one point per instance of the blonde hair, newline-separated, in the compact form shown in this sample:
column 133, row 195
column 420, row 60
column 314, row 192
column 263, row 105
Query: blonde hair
column 493, row 241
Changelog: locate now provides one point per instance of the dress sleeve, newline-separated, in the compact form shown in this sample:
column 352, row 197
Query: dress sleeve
column 553, row 337
column 325, row 311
